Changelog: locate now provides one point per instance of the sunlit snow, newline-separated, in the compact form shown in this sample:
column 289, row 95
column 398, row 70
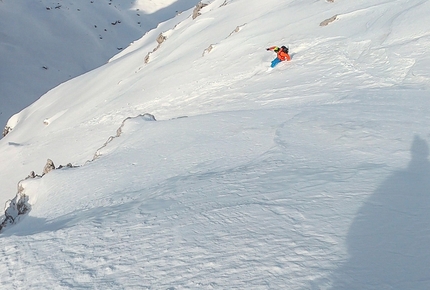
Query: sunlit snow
column 184, row 163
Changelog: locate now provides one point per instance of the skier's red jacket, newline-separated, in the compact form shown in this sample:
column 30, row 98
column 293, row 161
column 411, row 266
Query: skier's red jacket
column 281, row 54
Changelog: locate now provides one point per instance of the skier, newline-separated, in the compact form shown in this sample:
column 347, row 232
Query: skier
column 282, row 54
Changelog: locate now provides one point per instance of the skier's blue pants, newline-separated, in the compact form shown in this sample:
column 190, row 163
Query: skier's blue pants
column 275, row 62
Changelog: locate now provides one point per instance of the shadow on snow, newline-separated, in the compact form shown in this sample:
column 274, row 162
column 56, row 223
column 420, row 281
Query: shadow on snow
column 389, row 238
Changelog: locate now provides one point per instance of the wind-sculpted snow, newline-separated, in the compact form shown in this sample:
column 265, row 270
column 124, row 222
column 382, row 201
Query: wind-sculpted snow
column 309, row 176
column 388, row 238
column 145, row 117
column 19, row 206
column 15, row 209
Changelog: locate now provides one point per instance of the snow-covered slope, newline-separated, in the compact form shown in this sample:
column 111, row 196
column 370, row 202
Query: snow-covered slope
column 44, row 43
column 313, row 175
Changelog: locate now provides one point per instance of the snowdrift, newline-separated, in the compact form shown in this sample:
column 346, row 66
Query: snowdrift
column 309, row 176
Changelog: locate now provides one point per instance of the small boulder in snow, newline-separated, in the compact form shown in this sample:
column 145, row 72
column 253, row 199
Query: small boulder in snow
column 48, row 167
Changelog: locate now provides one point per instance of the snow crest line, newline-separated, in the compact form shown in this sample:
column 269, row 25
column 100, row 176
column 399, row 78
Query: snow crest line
column 19, row 206
column 146, row 117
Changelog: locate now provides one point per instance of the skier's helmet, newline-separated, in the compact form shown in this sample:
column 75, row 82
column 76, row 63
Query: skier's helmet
column 285, row 49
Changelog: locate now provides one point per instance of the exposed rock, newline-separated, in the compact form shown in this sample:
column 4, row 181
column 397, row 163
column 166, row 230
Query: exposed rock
column 6, row 130
column 196, row 11
column 146, row 117
column 15, row 208
column 223, row 4
column 146, row 59
column 32, row 175
column 161, row 38
column 329, row 20
column 48, row 167
column 69, row 165
column 237, row 29
column 207, row 50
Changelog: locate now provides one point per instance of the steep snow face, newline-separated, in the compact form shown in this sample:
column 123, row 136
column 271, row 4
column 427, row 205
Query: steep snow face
column 313, row 175
column 44, row 43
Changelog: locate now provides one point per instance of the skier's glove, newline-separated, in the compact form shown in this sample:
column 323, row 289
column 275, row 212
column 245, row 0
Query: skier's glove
column 267, row 49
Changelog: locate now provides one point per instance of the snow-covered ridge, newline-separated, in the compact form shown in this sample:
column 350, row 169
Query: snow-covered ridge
column 45, row 43
column 309, row 176
column 20, row 205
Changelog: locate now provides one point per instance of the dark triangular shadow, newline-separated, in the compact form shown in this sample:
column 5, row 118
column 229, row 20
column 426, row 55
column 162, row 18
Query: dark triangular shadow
column 163, row 14
column 388, row 241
